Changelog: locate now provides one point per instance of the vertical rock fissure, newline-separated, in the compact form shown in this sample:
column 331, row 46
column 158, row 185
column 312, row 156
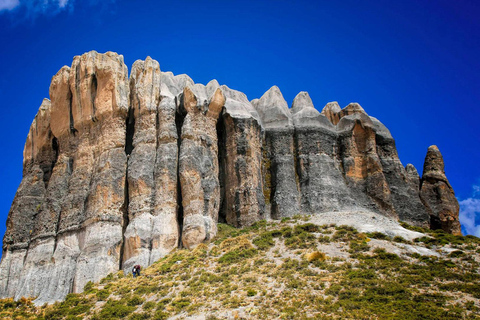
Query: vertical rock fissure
column 222, row 162
column 179, row 118
column 267, row 172
column 130, row 124
column 296, row 161
column 130, row 130
column 154, row 182
column 301, row 176
column 93, row 95
column 70, row 110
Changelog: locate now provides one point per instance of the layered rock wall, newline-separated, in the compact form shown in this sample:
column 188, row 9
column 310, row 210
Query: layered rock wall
column 121, row 170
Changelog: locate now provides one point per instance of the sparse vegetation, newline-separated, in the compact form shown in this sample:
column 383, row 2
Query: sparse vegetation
column 288, row 270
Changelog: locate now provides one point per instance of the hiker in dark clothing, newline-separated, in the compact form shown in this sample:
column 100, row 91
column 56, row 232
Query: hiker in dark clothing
column 138, row 269
column 134, row 271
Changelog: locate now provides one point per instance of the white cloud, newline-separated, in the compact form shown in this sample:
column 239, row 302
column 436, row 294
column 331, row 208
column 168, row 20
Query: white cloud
column 31, row 9
column 35, row 7
column 476, row 190
column 9, row 4
column 470, row 213
column 62, row 3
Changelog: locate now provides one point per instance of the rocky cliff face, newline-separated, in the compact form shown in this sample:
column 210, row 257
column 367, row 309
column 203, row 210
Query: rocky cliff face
column 121, row 170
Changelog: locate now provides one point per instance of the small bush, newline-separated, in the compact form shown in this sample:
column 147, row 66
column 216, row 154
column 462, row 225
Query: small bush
column 315, row 256
column 135, row 301
column 148, row 305
column 237, row 255
column 88, row 287
column 103, row 294
column 114, row 309
column 140, row 316
column 251, row 292
column 378, row 235
column 160, row 315
column 308, row 227
column 400, row 239
column 456, row 254
column 181, row 303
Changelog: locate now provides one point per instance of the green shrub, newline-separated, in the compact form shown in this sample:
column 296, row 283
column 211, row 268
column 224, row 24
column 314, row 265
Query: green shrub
column 181, row 303
column 456, row 254
column 400, row 239
column 358, row 246
column 237, row 255
column 135, row 301
column 88, row 287
column 148, row 305
column 160, row 315
column 140, row 316
column 307, row 227
column 264, row 241
column 377, row 235
column 103, row 294
column 287, row 232
column 115, row 309
column 251, row 292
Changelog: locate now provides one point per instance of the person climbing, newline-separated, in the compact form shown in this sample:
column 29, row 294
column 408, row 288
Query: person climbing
column 134, row 271
column 138, row 269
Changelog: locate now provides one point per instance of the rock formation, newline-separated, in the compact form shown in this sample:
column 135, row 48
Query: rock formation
column 437, row 194
column 121, row 170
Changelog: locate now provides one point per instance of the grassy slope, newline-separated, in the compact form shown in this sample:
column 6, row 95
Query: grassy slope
column 279, row 270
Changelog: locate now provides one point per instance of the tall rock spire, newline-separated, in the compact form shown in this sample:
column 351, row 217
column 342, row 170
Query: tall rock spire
column 437, row 194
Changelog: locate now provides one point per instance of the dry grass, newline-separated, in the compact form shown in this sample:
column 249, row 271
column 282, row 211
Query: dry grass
column 285, row 270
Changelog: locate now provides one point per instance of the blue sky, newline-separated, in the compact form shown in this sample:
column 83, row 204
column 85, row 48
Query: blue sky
column 412, row 64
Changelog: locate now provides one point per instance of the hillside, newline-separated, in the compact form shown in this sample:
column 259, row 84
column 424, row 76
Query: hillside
column 297, row 268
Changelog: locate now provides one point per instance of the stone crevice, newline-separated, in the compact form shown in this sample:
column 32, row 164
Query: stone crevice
column 179, row 119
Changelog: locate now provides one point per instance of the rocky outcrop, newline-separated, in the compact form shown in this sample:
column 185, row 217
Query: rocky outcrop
column 151, row 228
column 437, row 194
column 240, row 158
column 403, row 185
column 321, row 181
column 281, row 179
column 198, row 162
column 121, row 170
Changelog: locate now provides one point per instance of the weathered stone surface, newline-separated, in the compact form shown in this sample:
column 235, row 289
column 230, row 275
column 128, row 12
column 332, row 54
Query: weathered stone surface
column 413, row 176
column 152, row 229
column 437, row 193
column 280, row 177
column 273, row 110
column 322, row 185
column 404, row 196
column 121, row 171
column 198, row 161
column 74, row 174
column 332, row 112
column 240, row 159
column 361, row 163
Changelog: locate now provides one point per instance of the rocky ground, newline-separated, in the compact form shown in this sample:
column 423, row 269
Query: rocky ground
column 306, row 267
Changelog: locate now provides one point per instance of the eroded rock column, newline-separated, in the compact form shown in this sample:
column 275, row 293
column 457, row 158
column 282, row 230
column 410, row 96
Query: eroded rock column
column 279, row 156
column 152, row 229
column 361, row 164
column 198, row 163
column 437, row 193
column 242, row 155
column 322, row 186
